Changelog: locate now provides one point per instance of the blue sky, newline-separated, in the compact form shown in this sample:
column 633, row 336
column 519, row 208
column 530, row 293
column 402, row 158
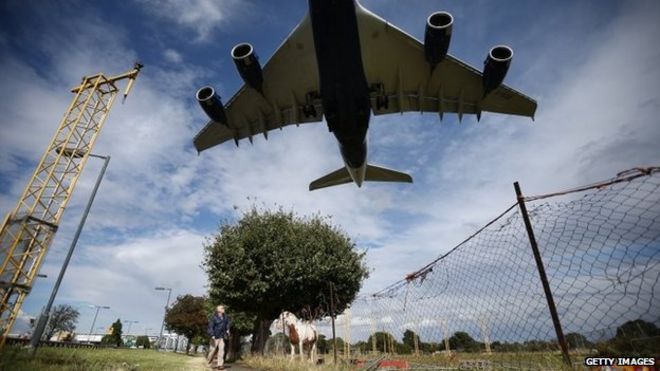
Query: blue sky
column 589, row 64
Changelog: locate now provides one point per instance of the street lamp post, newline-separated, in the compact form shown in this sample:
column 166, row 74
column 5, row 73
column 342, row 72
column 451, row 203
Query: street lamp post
column 98, row 308
column 169, row 292
column 43, row 318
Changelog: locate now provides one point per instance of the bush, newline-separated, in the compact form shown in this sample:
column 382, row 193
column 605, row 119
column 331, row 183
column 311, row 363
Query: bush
column 143, row 341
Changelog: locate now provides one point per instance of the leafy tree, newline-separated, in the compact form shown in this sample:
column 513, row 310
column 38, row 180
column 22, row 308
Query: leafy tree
column 143, row 341
column 576, row 340
column 199, row 340
column 362, row 346
column 188, row 317
column 383, row 340
column 539, row 345
column 241, row 325
column 403, row 348
column 463, row 341
column 637, row 337
column 340, row 345
column 63, row 318
column 114, row 337
column 269, row 261
column 409, row 339
column 322, row 344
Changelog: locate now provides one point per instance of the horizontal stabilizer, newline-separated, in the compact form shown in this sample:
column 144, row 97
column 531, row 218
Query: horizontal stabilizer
column 381, row 174
column 372, row 174
column 337, row 177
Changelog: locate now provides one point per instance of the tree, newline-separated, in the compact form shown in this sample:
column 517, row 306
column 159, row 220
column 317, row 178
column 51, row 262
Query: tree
column 383, row 341
column 576, row 340
column 143, row 341
column 463, row 341
column 63, row 318
column 270, row 261
column 409, row 339
column 340, row 345
column 114, row 337
column 637, row 337
column 322, row 344
column 241, row 325
column 188, row 316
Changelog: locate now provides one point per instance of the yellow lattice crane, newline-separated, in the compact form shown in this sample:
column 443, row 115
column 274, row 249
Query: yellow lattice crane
column 28, row 230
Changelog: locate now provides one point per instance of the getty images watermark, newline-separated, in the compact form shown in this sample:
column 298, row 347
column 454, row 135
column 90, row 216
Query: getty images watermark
column 622, row 363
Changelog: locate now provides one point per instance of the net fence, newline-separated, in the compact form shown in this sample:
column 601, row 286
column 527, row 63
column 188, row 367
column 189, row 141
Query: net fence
column 482, row 304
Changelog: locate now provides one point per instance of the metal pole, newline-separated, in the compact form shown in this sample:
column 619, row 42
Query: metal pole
column 43, row 318
column 332, row 316
column 544, row 278
column 98, row 308
column 162, row 326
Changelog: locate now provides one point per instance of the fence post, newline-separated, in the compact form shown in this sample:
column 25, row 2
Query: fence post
column 544, row 278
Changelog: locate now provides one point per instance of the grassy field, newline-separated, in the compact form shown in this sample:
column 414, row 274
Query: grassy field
column 62, row 359
column 498, row 361
column 286, row 364
column 52, row 359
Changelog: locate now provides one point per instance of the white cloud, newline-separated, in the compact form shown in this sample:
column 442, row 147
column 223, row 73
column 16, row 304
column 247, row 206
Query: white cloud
column 201, row 16
column 172, row 56
column 123, row 275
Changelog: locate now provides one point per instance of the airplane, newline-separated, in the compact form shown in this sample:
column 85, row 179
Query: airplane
column 343, row 62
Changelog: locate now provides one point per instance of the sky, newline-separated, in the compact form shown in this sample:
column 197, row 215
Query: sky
column 589, row 64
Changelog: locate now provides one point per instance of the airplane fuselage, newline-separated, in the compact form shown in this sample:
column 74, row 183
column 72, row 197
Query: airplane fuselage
column 344, row 87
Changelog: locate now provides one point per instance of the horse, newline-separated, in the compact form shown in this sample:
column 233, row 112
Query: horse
column 301, row 333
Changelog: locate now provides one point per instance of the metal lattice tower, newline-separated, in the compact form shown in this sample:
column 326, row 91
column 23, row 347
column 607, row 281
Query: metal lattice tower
column 28, row 230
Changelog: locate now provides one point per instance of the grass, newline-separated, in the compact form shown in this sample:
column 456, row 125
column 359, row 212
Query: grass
column 287, row 364
column 499, row 361
column 109, row 359
column 64, row 359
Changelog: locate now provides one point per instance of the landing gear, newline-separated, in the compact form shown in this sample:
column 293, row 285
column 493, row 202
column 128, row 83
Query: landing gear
column 382, row 100
column 309, row 109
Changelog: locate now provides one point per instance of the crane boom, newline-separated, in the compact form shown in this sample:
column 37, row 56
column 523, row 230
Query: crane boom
column 28, row 230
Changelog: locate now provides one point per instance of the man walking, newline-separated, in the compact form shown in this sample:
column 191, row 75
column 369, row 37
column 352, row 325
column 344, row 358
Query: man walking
column 219, row 331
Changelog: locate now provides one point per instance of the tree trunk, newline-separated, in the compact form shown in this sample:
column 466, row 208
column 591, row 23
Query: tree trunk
column 260, row 335
column 233, row 347
column 188, row 347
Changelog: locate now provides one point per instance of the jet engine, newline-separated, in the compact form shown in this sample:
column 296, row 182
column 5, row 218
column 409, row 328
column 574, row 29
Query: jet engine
column 496, row 66
column 212, row 105
column 437, row 37
column 248, row 65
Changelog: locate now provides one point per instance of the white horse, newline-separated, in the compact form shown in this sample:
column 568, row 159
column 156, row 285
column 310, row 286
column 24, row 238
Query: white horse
column 301, row 333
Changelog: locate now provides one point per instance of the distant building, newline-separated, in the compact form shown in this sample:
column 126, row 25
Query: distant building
column 172, row 341
column 87, row 338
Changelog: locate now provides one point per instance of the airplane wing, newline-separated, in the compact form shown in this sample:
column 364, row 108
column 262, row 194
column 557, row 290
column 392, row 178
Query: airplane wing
column 395, row 67
column 290, row 95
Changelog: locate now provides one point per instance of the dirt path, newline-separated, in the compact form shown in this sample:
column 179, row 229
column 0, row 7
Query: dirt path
column 199, row 364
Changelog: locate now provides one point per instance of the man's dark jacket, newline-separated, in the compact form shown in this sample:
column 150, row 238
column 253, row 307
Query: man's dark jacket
column 218, row 326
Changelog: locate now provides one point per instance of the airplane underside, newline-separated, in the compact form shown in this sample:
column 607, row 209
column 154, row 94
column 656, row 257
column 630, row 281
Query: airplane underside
column 344, row 63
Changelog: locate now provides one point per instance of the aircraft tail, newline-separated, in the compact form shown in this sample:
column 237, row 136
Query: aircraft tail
column 381, row 174
column 337, row 177
column 373, row 174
